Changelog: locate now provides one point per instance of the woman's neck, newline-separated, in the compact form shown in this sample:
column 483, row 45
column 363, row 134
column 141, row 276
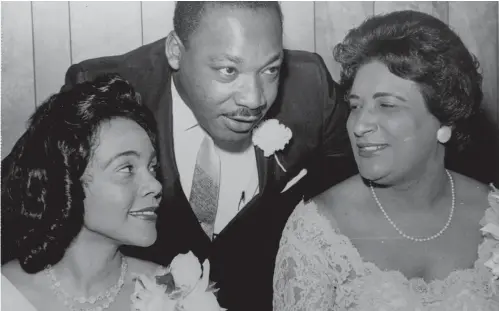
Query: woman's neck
column 92, row 264
column 423, row 191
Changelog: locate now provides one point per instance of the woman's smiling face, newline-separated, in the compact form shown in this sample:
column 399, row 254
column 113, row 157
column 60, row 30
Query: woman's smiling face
column 391, row 130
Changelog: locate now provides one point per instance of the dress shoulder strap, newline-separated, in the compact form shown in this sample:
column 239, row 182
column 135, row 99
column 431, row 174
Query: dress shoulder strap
column 12, row 299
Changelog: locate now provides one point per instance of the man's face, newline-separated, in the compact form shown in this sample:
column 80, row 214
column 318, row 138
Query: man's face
column 228, row 73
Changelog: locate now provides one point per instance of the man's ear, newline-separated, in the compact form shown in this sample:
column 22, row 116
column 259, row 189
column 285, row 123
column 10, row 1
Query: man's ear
column 173, row 50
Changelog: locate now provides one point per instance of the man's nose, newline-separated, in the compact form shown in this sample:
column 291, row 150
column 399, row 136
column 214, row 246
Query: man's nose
column 250, row 94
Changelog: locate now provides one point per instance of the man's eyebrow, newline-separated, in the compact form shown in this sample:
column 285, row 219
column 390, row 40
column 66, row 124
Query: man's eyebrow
column 224, row 56
column 275, row 57
column 238, row 60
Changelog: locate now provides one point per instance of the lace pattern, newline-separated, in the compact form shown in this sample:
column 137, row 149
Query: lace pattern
column 318, row 268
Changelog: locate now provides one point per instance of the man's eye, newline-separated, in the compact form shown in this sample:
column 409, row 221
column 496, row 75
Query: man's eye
column 228, row 71
column 272, row 70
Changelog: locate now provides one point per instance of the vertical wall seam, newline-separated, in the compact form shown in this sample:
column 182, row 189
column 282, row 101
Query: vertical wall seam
column 497, row 58
column 33, row 51
column 141, row 24
column 315, row 26
column 447, row 12
column 70, row 35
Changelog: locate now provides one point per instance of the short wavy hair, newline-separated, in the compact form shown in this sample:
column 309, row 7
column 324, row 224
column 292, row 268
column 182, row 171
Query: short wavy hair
column 42, row 188
column 188, row 14
column 421, row 48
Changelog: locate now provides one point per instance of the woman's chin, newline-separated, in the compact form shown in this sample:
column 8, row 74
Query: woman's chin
column 143, row 241
column 373, row 175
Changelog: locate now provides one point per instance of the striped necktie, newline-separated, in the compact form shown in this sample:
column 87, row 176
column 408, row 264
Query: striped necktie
column 206, row 186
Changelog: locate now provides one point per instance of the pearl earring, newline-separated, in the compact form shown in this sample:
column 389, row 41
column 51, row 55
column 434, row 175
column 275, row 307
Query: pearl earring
column 443, row 134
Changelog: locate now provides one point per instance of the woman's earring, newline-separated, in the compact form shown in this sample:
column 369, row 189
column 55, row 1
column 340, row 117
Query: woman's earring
column 443, row 134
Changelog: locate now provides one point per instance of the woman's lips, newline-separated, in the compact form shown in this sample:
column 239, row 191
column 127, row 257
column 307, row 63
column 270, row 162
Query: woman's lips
column 148, row 213
column 370, row 149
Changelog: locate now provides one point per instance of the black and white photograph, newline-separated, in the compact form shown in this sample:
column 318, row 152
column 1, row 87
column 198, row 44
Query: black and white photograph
column 250, row 155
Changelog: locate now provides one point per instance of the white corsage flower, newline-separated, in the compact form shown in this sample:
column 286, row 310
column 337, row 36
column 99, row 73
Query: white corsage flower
column 181, row 286
column 271, row 136
column 202, row 297
column 186, row 270
column 151, row 296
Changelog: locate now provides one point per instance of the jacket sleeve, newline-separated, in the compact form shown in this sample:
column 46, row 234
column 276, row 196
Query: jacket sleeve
column 334, row 159
column 88, row 70
column 74, row 75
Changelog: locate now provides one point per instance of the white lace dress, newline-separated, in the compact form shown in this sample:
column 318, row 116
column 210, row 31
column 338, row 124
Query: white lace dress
column 318, row 268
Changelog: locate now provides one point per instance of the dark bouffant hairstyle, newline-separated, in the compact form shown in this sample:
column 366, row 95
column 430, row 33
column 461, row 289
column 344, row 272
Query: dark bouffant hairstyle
column 188, row 14
column 421, row 48
column 42, row 190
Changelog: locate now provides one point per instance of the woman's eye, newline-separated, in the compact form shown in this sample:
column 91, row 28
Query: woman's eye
column 354, row 106
column 386, row 105
column 153, row 168
column 126, row 169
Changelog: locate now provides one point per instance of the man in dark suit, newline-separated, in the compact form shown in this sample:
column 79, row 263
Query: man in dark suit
column 218, row 75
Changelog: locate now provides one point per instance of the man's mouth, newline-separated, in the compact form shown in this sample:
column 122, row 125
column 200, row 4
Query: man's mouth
column 251, row 119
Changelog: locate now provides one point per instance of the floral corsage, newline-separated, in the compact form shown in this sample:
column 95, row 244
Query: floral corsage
column 271, row 136
column 491, row 229
column 182, row 286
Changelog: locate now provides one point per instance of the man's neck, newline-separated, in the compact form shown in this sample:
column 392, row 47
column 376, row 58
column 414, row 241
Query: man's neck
column 235, row 146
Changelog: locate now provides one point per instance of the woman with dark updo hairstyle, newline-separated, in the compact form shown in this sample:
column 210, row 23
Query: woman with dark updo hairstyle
column 78, row 184
column 405, row 233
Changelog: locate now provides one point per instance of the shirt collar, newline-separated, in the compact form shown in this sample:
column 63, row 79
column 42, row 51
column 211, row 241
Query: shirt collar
column 184, row 118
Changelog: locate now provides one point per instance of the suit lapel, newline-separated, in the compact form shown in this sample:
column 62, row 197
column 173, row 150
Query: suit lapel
column 173, row 194
column 264, row 167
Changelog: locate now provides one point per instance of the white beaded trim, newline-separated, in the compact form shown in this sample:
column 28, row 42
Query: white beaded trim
column 108, row 296
column 414, row 238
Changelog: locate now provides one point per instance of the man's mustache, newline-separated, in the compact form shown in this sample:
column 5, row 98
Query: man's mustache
column 245, row 112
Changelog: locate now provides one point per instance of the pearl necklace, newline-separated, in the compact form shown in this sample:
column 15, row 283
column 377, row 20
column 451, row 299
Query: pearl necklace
column 414, row 238
column 107, row 297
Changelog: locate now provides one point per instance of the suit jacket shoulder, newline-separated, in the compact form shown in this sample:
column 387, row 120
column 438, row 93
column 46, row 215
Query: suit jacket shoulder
column 146, row 68
column 311, row 103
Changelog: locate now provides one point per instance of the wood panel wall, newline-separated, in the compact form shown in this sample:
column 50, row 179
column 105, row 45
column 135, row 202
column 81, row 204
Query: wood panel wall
column 41, row 39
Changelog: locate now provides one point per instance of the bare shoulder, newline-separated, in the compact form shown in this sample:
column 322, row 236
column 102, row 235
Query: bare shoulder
column 139, row 266
column 16, row 275
column 348, row 194
column 471, row 194
column 32, row 285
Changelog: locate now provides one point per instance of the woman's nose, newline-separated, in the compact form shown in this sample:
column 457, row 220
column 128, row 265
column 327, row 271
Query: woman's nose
column 365, row 122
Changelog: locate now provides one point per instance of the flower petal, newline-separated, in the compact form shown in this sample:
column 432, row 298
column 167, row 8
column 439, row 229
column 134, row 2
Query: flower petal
column 493, row 229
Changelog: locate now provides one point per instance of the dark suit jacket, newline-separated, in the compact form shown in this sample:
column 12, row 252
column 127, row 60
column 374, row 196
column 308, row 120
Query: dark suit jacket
column 242, row 256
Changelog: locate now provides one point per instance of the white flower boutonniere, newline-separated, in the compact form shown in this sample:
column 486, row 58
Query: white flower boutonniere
column 181, row 286
column 271, row 136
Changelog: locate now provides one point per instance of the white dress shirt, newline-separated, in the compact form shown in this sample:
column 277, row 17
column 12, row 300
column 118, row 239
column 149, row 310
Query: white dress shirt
column 238, row 172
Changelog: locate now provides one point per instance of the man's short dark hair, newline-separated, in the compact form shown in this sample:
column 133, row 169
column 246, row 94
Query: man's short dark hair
column 188, row 14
